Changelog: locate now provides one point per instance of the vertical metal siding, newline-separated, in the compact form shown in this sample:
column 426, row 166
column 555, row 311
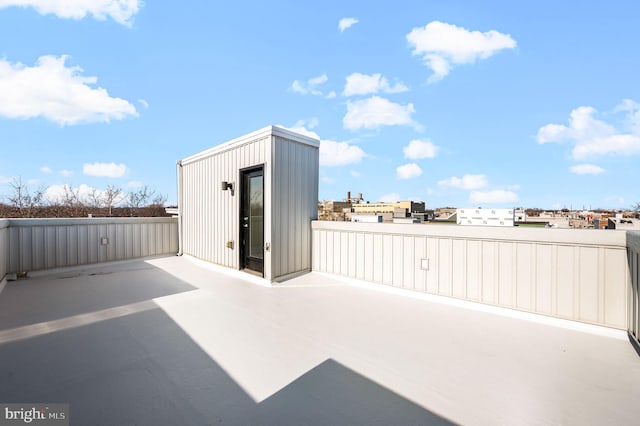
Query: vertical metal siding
column 584, row 279
column 295, row 205
column 211, row 216
column 633, row 261
column 36, row 244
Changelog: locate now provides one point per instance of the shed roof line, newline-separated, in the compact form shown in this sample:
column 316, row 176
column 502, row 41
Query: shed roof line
column 250, row 137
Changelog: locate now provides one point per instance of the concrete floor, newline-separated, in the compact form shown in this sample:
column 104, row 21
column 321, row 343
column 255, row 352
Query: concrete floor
column 173, row 341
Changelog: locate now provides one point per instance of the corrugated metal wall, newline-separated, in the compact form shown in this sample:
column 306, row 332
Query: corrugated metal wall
column 4, row 247
column 572, row 274
column 210, row 216
column 633, row 257
column 295, row 205
column 35, row 244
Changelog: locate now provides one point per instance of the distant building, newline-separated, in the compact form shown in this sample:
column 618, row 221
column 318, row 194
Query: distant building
column 486, row 217
column 446, row 214
column 624, row 224
column 391, row 210
column 333, row 210
column 352, row 208
column 520, row 215
column 367, row 218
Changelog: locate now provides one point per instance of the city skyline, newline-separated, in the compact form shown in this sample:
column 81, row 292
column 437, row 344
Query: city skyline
column 461, row 104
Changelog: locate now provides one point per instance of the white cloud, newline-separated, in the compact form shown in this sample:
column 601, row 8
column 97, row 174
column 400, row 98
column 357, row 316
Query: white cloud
column 496, row 196
column 586, row 169
column 465, row 182
column 143, row 103
column 327, row 179
column 301, row 127
column 56, row 92
column 347, row 23
column 66, row 173
column 443, row 45
column 552, row 133
column 46, row 169
column 614, row 144
column 355, row 173
column 633, row 114
column 134, row 184
column 592, row 137
column 296, row 86
column 408, row 171
column 307, row 124
column 418, row 149
column 390, row 198
column 5, row 179
column 111, row 170
column 121, row 11
column 363, row 84
column 311, row 86
column 375, row 111
column 321, row 79
column 334, row 153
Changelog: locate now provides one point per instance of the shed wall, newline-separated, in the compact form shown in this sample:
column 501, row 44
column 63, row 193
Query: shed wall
column 210, row 216
column 295, row 205
column 633, row 258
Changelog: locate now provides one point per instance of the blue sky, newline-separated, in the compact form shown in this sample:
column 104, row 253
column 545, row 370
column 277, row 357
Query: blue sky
column 457, row 103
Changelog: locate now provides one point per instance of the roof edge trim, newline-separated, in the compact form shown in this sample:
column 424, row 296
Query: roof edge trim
column 250, row 137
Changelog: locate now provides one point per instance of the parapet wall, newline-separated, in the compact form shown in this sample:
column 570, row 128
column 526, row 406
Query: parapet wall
column 633, row 258
column 579, row 275
column 36, row 244
column 4, row 248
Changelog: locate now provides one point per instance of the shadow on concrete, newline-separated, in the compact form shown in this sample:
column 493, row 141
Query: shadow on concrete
column 83, row 290
column 332, row 394
column 143, row 369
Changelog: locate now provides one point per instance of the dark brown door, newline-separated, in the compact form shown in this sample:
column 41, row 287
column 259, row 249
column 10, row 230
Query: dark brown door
column 252, row 220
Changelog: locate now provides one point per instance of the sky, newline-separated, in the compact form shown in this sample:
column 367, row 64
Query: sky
column 455, row 103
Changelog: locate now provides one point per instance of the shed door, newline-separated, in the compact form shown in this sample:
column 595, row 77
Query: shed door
column 252, row 220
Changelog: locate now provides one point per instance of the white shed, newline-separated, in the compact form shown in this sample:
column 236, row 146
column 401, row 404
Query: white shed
column 248, row 203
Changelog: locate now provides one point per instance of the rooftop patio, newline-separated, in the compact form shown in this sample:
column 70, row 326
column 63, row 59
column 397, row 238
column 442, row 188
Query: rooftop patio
column 171, row 340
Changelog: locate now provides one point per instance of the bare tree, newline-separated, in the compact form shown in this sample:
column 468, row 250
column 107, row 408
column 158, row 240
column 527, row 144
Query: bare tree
column 158, row 201
column 70, row 196
column 112, row 195
column 25, row 200
column 139, row 198
column 157, row 205
column 636, row 208
column 106, row 198
column 95, row 198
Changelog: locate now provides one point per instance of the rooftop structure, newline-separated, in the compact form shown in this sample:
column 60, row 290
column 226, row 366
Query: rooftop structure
column 248, row 203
